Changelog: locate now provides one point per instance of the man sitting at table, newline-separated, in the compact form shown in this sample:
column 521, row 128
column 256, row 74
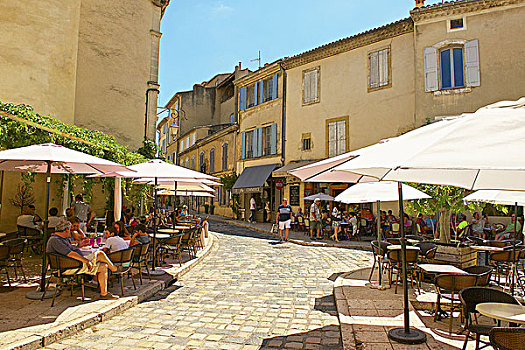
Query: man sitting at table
column 29, row 219
column 509, row 230
column 95, row 263
column 114, row 242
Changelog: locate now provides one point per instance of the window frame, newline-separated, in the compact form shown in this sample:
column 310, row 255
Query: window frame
column 347, row 134
column 388, row 50
column 452, row 66
column 248, row 148
column 212, row 161
column 448, row 23
column 318, row 97
column 224, row 156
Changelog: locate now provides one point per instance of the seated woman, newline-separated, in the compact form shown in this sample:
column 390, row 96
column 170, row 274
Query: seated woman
column 113, row 241
column 122, row 230
column 139, row 235
column 478, row 226
column 509, row 230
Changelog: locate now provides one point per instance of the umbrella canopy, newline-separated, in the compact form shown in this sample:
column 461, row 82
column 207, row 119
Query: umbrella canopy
column 384, row 191
column 185, row 193
column 497, row 197
column 160, row 169
column 192, row 187
column 321, row 196
column 482, row 150
column 34, row 158
column 171, row 181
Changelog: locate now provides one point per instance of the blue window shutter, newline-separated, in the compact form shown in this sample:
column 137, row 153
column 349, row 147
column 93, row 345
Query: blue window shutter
column 446, row 73
column 254, row 143
column 458, row 67
column 259, row 142
column 243, row 145
column 273, row 139
column 255, row 96
column 274, row 88
column 261, row 91
column 243, row 98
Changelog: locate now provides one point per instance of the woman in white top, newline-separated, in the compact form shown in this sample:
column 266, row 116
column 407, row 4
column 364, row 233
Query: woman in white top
column 113, row 242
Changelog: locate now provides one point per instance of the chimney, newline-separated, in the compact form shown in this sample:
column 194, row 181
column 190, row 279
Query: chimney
column 420, row 3
column 240, row 65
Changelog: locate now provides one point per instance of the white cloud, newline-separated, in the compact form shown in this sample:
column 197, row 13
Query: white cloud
column 221, row 9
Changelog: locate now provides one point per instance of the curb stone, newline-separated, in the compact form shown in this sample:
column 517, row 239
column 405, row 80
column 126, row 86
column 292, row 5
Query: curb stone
column 44, row 337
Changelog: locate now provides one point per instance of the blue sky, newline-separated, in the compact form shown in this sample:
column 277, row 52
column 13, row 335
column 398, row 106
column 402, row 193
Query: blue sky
column 204, row 37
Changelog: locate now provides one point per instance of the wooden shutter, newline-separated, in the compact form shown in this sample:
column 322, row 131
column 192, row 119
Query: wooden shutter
column 472, row 63
column 242, row 98
column 306, row 87
column 212, row 160
column 431, row 69
column 243, row 145
column 341, row 137
column 273, row 139
column 332, row 139
column 274, row 86
column 254, row 143
column 260, row 142
column 255, row 96
column 374, row 70
column 314, row 86
column 261, row 91
column 383, row 77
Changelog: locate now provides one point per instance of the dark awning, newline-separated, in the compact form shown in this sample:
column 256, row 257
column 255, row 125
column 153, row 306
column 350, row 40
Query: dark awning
column 253, row 178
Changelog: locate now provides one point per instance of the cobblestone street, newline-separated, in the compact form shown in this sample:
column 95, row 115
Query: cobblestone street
column 251, row 292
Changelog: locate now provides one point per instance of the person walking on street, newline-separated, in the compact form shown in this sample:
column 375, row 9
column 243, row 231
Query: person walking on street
column 253, row 208
column 284, row 218
column 315, row 219
column 83, row 211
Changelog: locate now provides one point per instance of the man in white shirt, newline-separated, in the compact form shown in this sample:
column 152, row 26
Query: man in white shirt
column 83, row 211
column 28, row 218
column 113, row 242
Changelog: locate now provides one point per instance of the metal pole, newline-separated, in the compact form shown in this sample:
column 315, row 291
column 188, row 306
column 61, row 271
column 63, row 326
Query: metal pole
column 46, row 221
column 154, row 226
column 379, row 239
column 514, row 248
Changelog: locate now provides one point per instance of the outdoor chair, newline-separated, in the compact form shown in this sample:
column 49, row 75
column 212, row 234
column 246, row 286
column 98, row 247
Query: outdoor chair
column 65, row 270
column 4, row 260
column 395, row 229
column 173, row 246
column 393, row 240
column 123, row 259
column 33, row 236
column 187, row 242
column 394, row 258
column 483, row 273
column 16, row 250
column 379, row 253
column 507, row 338
column 427, row 251
column 140, row 259
column 9, row 236
column 504, row 263
column 470, row 298
column 307, row 226
column 448, row 287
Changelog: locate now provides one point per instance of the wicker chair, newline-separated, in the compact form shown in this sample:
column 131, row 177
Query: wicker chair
column 395, row 264
column 503, row 263
column 33, row 236
column 483, row 273
column 124, row 260
column 173, row 246
column 507, row 338
column 140, row 259
column 470, row 298
column 448, row 287
column 379, row 253
column 427, row 251
column 4, row 259
column 66, row 271
column 16, row 250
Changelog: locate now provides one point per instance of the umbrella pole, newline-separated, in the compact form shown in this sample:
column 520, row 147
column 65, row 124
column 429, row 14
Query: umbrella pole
column 154, row 271
column 39, row 294
column 405, row 335
column 513, row 272
column 379, row 239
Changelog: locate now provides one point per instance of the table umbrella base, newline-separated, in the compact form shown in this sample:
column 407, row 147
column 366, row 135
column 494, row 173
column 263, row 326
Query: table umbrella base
column 154, row 272
column 413, row 336
column 37, row 294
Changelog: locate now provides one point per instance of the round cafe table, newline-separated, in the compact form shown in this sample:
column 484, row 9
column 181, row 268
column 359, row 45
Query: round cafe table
column 503, row 312
column 398, row 247
column 160, row 235
column 487, row 249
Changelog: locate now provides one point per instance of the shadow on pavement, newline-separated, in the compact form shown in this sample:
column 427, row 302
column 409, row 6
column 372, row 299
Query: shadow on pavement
column 326, row 304
column 327, row 338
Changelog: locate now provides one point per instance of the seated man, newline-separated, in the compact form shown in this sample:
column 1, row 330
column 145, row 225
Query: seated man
column 96, row 263
column 430, row 225
column 139, row 235
column 462, row 226
column 29, row 219
column 113, row 241
column 53, row 218
column 509, row 230
column 353, row 222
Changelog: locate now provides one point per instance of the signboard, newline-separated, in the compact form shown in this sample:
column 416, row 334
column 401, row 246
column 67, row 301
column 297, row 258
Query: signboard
column 279, row 184
column 247, row 190
column 294, row 195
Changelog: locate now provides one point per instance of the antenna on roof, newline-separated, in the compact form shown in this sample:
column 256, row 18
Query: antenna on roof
column 258, row 59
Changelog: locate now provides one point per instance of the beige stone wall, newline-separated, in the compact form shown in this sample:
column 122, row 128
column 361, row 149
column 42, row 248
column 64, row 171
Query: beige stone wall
column 344, row 92
column 115, row 48
column 501, row 50
column 38, row 55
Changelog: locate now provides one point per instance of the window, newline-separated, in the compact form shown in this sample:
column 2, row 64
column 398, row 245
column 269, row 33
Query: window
column 249, row 144
column 258, row 92
column 232, row 118
column 267, row 140
column 336, row 136
column 456, row 23
column 259, row 142
column 182, row 145
column 193, row 162
column 187, row 163
column 212, row 160
column 202, row 166
column 224, row 157
column 192, row 139
column 164, row 146
column 379, row 69
column 452, row 64
column 307, row 144
column 251, row 96
column 188, row 141
column 311, row 86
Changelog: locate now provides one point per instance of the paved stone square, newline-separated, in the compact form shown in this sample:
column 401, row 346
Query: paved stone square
column 250, row 292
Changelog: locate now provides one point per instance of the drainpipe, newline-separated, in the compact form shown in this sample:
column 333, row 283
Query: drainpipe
column 146, row 112
column 283, row 116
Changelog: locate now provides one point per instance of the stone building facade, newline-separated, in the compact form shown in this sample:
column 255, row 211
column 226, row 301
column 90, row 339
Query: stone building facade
column 91, row 63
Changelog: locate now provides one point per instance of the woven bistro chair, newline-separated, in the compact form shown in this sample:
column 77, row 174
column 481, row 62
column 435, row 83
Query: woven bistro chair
column 503, row 263
column 379, row 253
column 140, row 259
column 33, row 236
column 4, row 260
column 173, row 246
column 448, row 287
column 66, row 271
column 16, row 250
column 123, row 259
column 472, row 296
column 483, row 273
column 507, row 338
column 395, row 259
column 427, row 251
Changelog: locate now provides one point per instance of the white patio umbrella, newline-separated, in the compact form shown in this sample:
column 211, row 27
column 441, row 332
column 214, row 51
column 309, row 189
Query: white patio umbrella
column 321, row 196
column 117, row 200
column 383, row 191
column 497, row 197
column 52, row 159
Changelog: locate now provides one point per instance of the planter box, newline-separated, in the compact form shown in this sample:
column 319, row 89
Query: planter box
column 460, row 257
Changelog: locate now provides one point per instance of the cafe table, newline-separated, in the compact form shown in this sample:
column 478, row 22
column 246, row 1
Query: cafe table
column 502, row 311
column 160, row 235
column 487, row 249
column 437, row 269
column 398, row 246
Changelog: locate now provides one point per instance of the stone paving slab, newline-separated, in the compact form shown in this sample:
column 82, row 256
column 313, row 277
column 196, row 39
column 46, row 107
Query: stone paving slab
column 77, row 318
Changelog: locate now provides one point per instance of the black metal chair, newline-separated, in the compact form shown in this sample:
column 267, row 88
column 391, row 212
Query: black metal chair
column 427, row 251
column 4, row 260
column 16, row 250
column 470, row 298
column 395, row 259
column 33, row 236
column 507, row 338
column 123, row 259
column 379, row 252
column 483, row 273
column 66, row 271
column 140, row 259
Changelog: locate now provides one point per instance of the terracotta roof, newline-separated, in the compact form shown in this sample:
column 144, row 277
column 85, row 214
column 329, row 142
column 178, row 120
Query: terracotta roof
column 456, row 7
